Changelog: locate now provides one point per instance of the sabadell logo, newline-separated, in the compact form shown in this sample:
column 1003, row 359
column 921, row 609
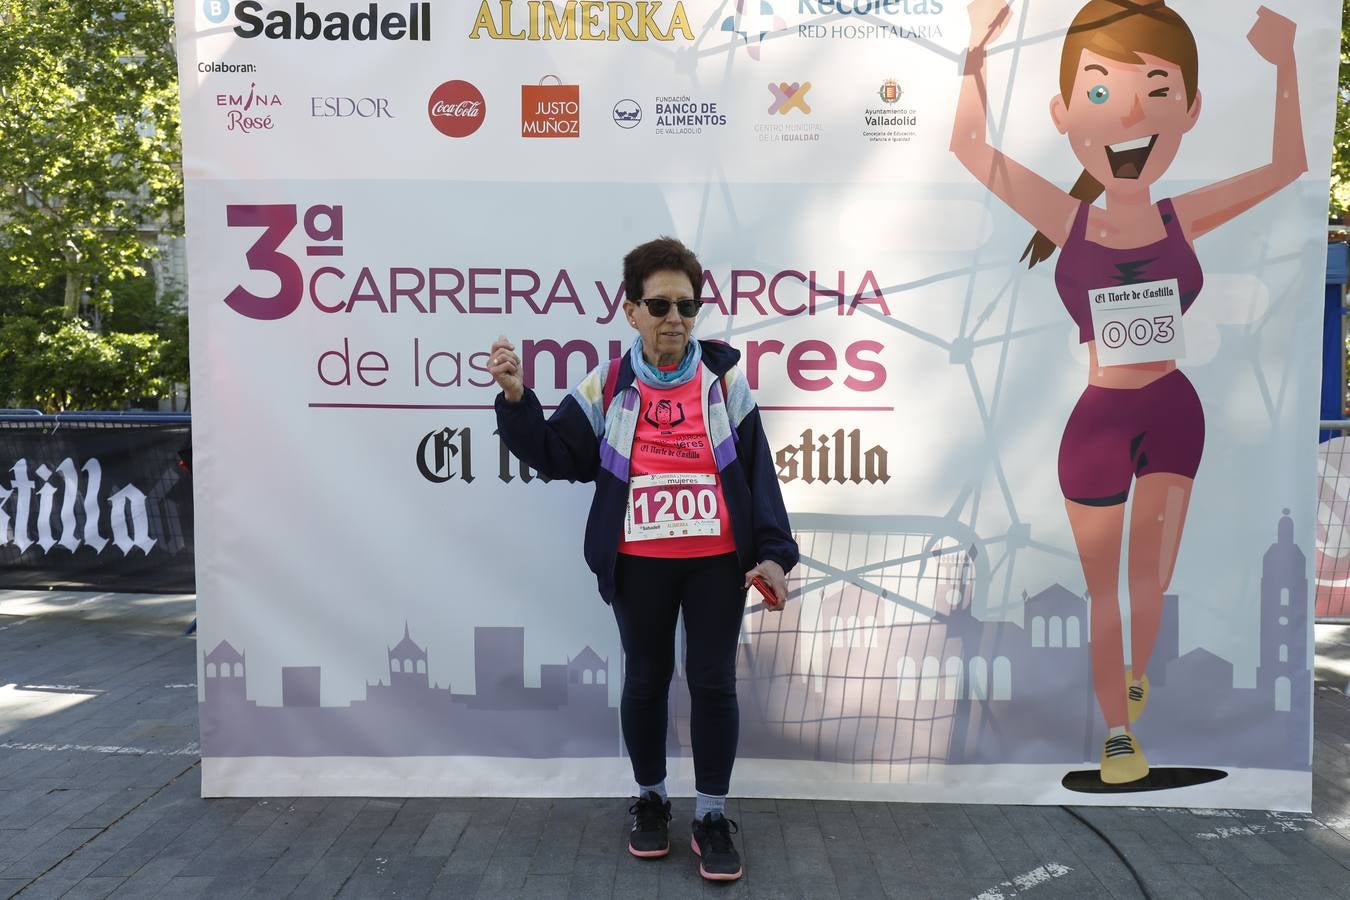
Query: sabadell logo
column 457, row 109
column 301, row 22
column 216, row 11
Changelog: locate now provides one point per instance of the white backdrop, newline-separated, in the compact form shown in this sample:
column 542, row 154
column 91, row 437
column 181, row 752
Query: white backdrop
column 330, row 530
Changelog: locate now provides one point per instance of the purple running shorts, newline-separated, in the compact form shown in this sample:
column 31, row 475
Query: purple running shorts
column 1114, row 435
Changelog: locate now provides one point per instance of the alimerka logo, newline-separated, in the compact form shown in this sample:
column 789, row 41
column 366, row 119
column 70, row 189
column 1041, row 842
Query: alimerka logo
column 581, row 20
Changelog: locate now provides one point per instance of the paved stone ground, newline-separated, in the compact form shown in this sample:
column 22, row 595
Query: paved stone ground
column 100, row 783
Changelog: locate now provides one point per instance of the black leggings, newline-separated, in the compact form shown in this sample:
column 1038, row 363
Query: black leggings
column 649, row 595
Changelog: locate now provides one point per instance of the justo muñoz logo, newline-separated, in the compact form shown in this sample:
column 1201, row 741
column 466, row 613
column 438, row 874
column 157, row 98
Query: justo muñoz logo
column 456, row 109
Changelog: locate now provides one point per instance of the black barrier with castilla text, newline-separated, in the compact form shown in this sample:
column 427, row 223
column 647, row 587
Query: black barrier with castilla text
column 96, row 502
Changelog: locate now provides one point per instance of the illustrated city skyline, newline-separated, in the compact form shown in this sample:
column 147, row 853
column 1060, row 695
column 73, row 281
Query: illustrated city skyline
column 853, row 684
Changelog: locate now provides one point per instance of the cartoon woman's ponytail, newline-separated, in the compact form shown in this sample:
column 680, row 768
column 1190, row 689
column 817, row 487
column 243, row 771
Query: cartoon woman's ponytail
column 1041, row 248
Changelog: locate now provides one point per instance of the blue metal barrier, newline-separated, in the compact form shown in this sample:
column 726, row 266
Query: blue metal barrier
column 1333, row 337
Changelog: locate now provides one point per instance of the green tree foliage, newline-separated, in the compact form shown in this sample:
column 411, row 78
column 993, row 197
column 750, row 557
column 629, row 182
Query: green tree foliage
column 69, row 366
column 1340, row 154
column 55, row 362
column 89, row 126
column 90, row 171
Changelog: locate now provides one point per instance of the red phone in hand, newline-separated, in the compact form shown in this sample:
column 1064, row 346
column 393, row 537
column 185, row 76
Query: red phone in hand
column 770, row 598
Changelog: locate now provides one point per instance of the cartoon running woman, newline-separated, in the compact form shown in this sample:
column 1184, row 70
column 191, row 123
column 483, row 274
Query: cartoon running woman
column 1128, row 93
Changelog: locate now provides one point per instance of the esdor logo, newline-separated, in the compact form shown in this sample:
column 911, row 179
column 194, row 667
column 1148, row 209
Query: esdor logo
column 456, row 109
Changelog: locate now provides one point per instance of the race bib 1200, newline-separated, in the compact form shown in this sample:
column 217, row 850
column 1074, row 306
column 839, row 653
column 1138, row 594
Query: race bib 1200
column 673, row 505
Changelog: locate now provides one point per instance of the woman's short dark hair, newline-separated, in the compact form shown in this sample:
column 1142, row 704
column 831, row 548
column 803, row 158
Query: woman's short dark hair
column 665, row 254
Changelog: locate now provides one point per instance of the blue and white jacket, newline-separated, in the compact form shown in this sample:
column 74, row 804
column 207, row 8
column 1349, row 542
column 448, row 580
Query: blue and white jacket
column 583, row 442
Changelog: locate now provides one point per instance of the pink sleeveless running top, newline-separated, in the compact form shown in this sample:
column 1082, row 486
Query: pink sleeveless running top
column 1084, row 266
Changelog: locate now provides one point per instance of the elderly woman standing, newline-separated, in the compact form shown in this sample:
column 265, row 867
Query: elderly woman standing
column 687, row 510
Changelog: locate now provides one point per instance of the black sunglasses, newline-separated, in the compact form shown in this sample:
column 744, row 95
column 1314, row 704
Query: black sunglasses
column 660, row 306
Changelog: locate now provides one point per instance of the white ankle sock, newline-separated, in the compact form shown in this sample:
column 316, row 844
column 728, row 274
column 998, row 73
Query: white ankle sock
column 708, row 803
column 659, row 788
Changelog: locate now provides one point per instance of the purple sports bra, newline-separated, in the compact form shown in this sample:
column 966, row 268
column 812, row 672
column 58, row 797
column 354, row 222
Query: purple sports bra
column 1084, row 266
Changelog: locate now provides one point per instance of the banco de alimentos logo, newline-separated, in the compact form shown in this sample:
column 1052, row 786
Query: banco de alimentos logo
column 627, row 113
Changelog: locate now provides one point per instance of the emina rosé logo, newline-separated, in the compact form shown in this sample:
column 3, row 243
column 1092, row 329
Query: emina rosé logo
column 248, row 112
column 456, row 109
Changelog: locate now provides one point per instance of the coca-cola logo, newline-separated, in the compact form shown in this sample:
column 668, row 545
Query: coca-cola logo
column 457, row 109
column 465, row 108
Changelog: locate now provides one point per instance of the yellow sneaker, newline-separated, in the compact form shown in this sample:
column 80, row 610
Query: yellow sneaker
column 1137, row 695
column 1122, row 760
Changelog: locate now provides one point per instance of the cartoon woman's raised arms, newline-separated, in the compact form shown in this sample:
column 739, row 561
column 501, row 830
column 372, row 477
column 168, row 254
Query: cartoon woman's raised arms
column 1207, row 208
column 1047, row 207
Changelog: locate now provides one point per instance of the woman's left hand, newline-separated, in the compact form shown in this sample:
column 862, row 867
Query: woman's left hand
column 772, row 573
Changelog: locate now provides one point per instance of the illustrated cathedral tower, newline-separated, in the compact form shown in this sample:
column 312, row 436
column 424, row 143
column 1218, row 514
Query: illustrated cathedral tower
column 225, row 681
column 408, row 663
column 1283, row 673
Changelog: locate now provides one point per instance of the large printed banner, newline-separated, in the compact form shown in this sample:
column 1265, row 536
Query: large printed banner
column 1010, row 484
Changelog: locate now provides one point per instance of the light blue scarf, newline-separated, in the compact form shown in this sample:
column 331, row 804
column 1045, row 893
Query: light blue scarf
column 654, row 377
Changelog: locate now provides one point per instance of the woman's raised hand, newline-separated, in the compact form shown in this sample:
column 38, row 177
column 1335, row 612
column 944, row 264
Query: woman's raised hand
column 504, row 366
column 988, row 18
column 1273, row 36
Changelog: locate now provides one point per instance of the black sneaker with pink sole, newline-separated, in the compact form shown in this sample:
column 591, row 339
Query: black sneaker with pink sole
column 650, row 836
column 711, row 842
